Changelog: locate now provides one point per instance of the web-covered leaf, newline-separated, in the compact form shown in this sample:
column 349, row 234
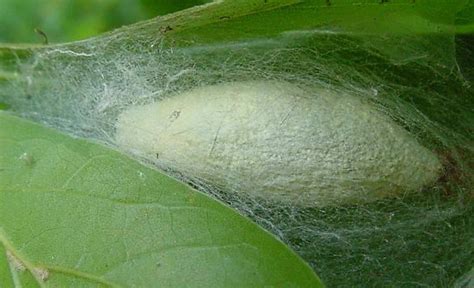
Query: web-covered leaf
column 411, row 60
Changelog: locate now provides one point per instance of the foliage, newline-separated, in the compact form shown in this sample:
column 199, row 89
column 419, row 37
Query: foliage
column 412, row 60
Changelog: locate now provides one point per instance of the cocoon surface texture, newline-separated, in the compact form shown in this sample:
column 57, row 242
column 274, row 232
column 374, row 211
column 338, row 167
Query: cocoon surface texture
column 282, row 142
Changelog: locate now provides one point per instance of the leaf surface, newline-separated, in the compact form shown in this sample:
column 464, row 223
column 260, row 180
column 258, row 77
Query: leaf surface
column 246, row 19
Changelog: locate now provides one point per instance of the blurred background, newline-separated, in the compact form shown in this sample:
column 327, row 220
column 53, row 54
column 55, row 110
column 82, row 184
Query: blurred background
column 70, row 20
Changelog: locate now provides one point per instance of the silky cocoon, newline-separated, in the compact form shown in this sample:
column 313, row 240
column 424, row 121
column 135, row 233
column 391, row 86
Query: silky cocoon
column 278, row 141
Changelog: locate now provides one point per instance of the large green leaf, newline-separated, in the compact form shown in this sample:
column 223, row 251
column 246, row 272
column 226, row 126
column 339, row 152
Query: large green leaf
column 75, row 213
column 239, row 19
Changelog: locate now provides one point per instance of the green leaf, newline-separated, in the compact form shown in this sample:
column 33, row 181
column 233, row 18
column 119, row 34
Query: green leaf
column 74, row 213
column 237, row 20
column 245, row 19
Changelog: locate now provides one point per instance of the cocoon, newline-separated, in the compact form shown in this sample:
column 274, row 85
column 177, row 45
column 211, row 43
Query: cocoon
column 281, row 142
